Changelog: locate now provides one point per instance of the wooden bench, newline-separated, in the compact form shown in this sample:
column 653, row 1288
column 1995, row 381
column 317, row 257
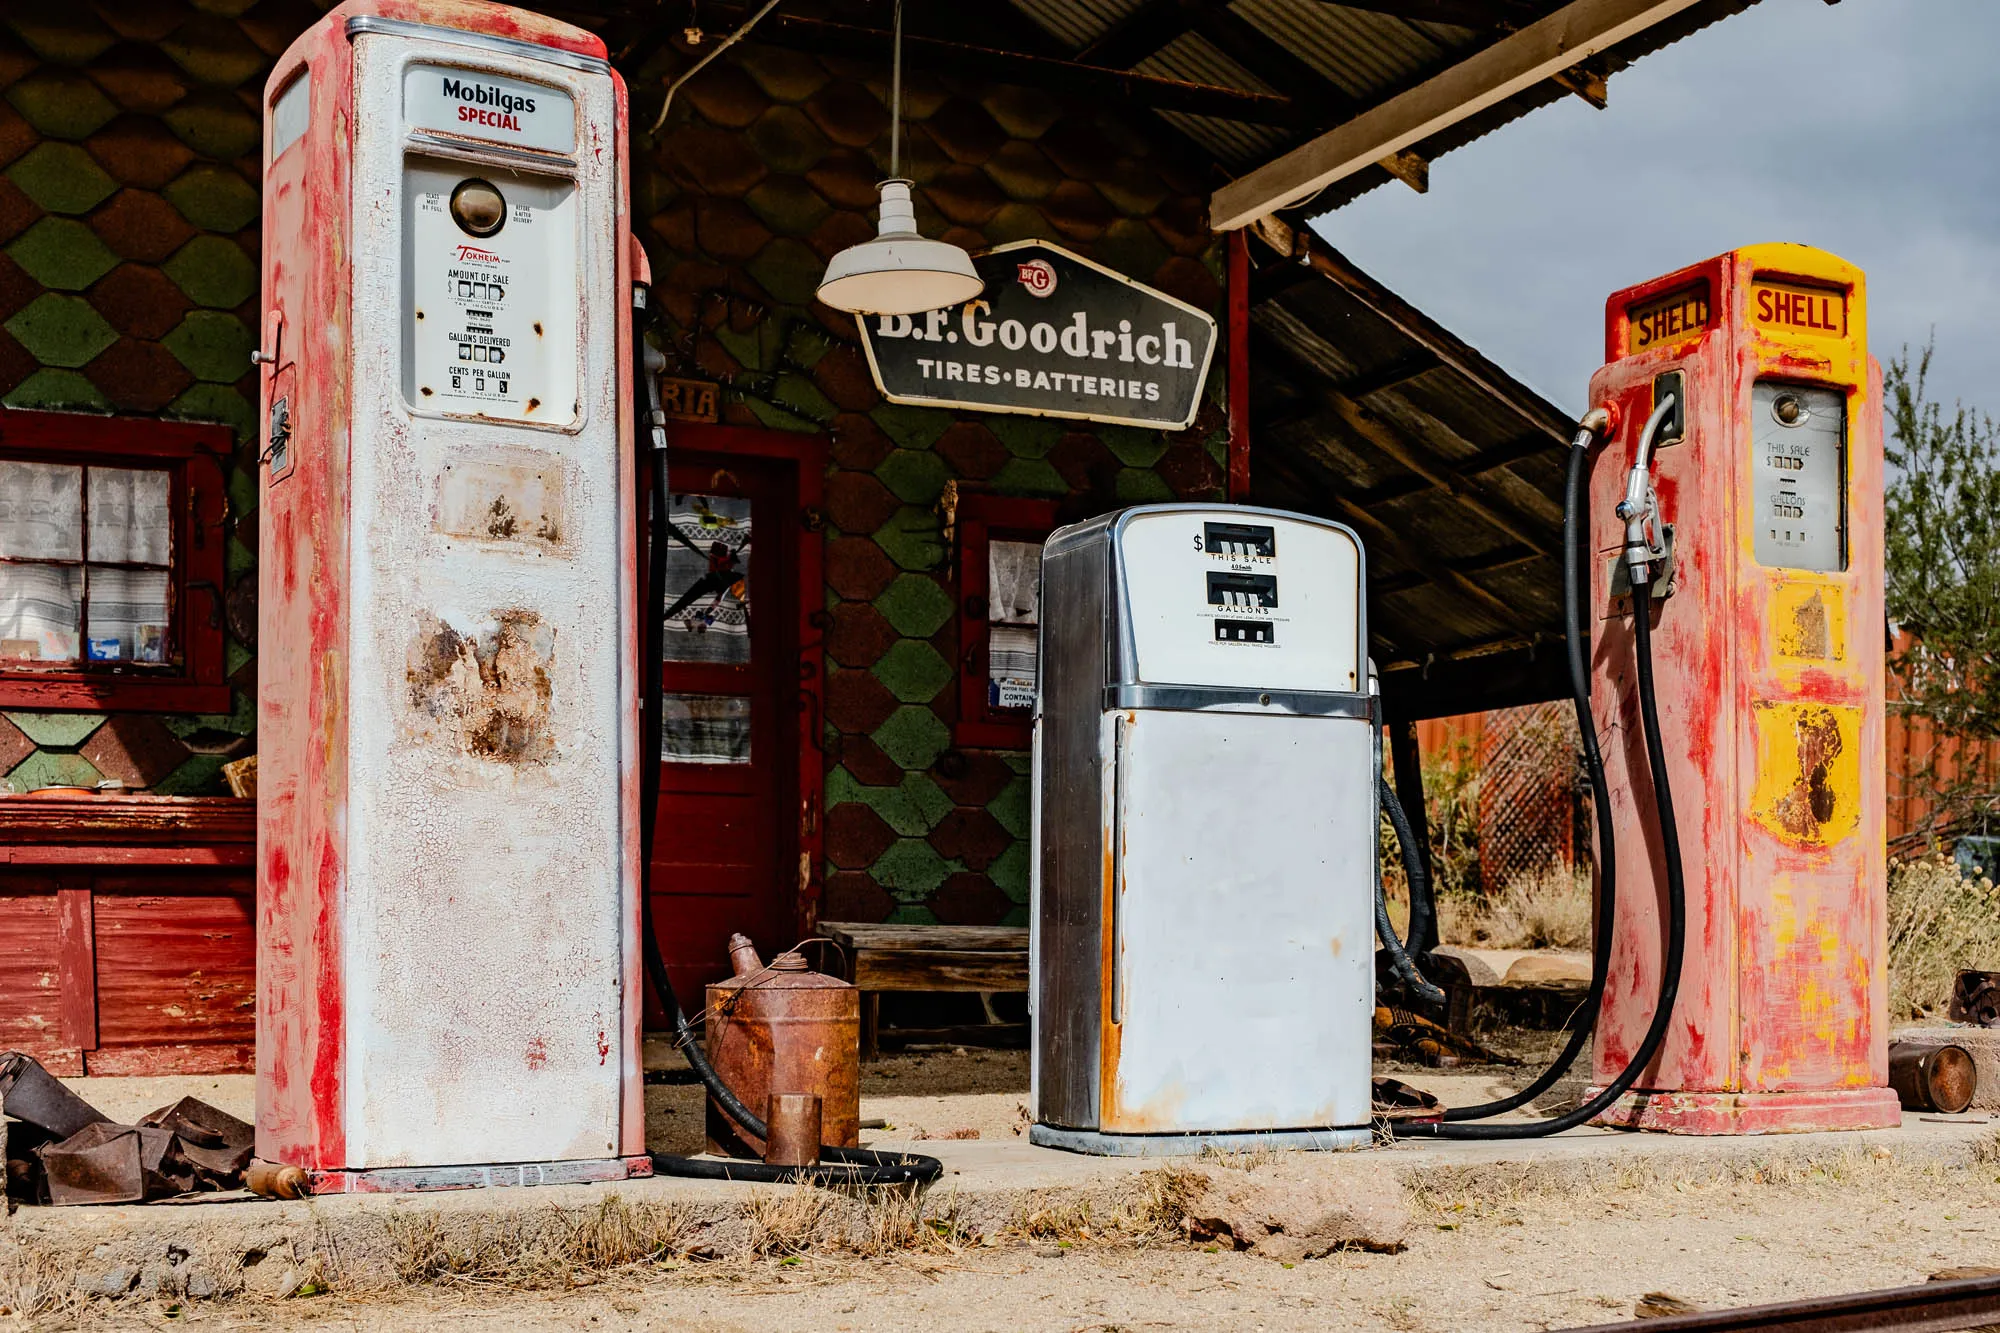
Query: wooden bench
column 876, row 958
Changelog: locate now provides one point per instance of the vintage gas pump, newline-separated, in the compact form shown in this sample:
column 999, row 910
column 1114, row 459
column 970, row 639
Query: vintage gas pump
column 1759, row 517
column 448, row 967
column 1205, row 830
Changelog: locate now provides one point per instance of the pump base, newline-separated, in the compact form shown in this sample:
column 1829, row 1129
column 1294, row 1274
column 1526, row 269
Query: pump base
column 408, row 1179
column 1804, row 1112
column 1096, row 1144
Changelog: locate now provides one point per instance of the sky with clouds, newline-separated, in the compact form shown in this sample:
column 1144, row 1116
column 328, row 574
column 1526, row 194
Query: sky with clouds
column 1870, row 128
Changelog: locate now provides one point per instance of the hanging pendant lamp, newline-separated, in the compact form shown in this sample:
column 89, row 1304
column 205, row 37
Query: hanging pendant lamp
column 899, row 272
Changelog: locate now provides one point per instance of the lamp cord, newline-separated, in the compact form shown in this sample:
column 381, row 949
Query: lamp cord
column 896, row 98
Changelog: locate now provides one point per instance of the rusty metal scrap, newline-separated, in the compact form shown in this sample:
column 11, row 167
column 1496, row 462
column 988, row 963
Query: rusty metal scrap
column 61, row 1150
column 1975, row 998
column 31, row 1094
column 217, row 1143
column 107, row 1163
column 1938, row 1304
column 1403, row 1102
column 1929, row 1076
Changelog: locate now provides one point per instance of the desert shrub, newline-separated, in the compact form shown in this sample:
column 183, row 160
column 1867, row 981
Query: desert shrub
column 1940, row 922
column 1548, row 910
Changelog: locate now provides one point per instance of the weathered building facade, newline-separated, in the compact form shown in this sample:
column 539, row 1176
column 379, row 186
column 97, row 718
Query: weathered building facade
column 846, row 735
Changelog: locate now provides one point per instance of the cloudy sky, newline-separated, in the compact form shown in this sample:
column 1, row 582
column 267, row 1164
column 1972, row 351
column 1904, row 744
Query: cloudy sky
column 1869, row 128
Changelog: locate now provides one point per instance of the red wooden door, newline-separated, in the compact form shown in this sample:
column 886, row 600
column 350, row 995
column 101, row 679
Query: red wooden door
column 726, row 855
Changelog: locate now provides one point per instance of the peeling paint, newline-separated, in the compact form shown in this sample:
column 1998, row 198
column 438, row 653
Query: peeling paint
column 486, row 692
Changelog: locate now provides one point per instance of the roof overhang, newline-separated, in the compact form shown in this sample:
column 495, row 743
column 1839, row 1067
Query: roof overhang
column 1489, row 76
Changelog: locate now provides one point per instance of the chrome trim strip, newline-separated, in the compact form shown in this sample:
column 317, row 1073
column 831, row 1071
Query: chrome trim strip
column 468, row 147
column 1194, row 698
column 507, row 46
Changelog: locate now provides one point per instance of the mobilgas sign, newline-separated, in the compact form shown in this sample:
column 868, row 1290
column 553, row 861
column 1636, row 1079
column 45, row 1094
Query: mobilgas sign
column 489, row 106
column 1055, row 335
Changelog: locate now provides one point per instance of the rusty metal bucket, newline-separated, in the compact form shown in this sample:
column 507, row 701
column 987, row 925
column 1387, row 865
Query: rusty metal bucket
column 783, row 1028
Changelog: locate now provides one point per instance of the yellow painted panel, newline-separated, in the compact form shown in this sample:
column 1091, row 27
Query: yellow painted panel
column 1809, row 620
column 1808, row 784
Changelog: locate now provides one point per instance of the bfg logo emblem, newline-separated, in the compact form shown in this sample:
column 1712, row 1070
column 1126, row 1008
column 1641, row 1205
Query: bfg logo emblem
column 1038, row 276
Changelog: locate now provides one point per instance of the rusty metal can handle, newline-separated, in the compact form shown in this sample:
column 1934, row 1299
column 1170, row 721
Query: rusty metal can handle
column 793, row 1121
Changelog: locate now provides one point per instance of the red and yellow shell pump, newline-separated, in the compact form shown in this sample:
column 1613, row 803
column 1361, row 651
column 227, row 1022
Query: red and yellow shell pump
column 1766, row 617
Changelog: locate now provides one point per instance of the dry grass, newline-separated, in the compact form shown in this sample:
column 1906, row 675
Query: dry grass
column 1448, row 1194
column 1550, row 910
column 1939, row 923
column 35, row 1284
column 806, row 1219
column 1155, row 1213
column 551, row 1249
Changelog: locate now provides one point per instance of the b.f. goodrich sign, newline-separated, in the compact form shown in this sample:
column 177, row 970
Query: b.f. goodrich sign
column 1055, row 335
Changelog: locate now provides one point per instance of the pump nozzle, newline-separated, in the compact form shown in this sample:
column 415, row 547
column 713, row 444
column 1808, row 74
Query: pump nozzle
column 1641, row 506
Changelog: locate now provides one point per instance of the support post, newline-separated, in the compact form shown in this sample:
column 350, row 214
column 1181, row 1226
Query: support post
column 1237, row 485
column 1407, row 761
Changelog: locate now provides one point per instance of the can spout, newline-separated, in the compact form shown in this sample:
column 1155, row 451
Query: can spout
column 743, row 959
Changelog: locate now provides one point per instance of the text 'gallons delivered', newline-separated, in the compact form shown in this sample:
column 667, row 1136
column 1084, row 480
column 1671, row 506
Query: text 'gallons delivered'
column 1052, row 334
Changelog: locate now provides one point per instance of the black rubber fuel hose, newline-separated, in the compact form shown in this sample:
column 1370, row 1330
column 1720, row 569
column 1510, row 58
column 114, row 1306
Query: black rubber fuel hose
column 1676, row 945
column 837, row 1165
column 1574, row 574
column 1385, row 929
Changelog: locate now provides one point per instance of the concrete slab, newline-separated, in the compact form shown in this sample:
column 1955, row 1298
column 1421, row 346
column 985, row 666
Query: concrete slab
column 226, row 1244
column 217, row 1245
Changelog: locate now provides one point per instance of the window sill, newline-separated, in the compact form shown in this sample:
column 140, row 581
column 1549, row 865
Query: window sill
column 113, row 694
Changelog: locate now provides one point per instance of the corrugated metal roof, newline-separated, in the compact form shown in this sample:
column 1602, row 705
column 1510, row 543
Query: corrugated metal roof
column 1364, row 410
column 1361, row 53
column 1365, row 57
column 1076, row 23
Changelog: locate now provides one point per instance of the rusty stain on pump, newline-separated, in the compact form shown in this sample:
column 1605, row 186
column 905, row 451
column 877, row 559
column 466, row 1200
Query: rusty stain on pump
column 1809, row 773
column 486, row 694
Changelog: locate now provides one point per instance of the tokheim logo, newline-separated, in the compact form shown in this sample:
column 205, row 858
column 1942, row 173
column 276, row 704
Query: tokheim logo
column 476, row 255
column 1038, row 276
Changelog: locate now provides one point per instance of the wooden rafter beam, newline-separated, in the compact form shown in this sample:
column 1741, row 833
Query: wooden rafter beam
column 1489, row 76
column 1382, row 536
column 1314, row 259
column 1536, row 527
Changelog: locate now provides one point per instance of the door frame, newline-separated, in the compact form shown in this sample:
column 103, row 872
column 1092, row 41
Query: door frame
column 807, row 456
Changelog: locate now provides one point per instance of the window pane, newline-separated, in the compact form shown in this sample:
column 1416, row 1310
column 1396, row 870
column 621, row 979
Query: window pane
column 130, row 518
column 41, row 511
column 39, row 612
column 708, row 580
column 705, row 729
column 1012, row 571
column 128, row 615
column 1010, row 667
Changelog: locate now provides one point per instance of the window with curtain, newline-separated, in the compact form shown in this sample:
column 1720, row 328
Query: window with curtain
column 111, row 563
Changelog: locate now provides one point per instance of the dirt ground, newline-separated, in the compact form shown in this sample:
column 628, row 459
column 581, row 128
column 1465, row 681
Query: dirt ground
column 1538, row 1253
column 1533, row 1251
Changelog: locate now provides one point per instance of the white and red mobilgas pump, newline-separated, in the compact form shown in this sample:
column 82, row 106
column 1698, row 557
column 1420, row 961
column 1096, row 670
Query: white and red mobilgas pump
column 448, row 825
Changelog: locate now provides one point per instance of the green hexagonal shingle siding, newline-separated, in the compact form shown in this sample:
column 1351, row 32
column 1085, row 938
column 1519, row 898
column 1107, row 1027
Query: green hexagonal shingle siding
column 128, row 284
column 128, row 253
column 919, row 828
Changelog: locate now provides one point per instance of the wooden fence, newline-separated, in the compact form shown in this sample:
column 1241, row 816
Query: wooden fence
column 1918, row 760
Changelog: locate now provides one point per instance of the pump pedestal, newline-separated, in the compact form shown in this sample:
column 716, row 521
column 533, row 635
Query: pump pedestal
column 1755, row 1112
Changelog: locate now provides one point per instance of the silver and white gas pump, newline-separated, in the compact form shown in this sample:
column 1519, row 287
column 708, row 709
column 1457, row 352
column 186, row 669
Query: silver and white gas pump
column 1205, row 829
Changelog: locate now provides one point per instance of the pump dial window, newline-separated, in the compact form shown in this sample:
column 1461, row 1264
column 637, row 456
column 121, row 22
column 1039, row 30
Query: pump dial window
column 478, row 207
